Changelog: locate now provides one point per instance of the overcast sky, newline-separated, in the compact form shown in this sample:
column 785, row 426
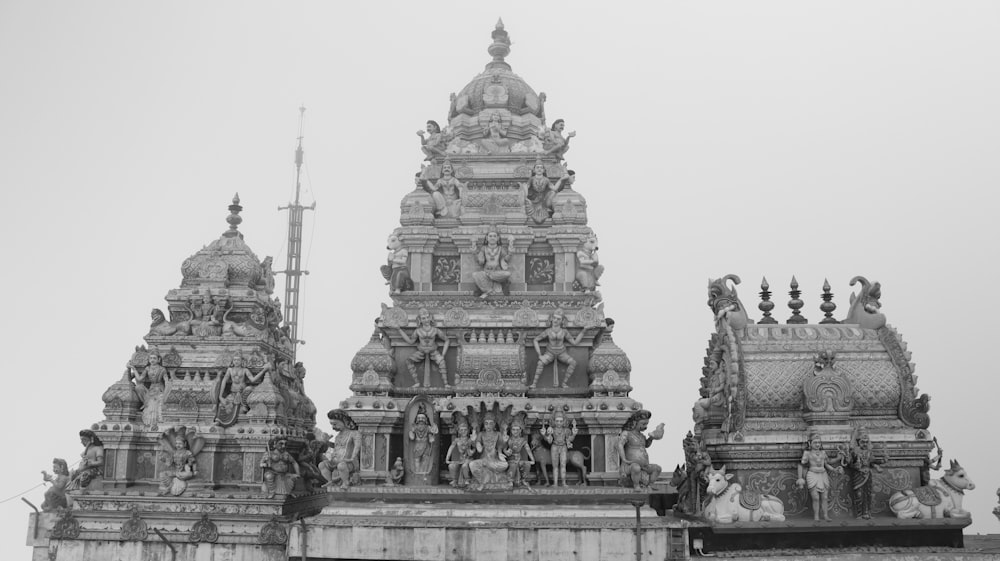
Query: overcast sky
column 761, row 139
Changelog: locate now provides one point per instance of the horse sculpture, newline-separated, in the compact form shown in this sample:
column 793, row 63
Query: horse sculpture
column 543, row 459
column 941, row 499
column 729, row 503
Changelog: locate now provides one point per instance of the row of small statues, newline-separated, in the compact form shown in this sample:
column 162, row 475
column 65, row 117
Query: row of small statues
column 209, row 317
column 711, row 493
column 493, row 279
column 426, row 336
column 434, row 142
column 231, row 392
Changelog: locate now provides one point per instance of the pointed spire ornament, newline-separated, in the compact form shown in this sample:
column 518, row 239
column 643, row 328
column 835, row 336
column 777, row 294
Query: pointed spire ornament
column 234, row 219
column 766, row 305
column 500, row 47
column 827, row 307
column 795, row 303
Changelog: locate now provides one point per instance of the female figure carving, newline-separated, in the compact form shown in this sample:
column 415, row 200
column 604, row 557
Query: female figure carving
column 150, row 384
column 491, row 466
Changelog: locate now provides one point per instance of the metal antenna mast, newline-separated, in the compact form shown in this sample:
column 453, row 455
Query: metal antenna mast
column 293, row 271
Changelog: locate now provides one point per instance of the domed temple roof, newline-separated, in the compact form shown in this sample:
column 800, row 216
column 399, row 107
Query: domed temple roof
column 227, row 260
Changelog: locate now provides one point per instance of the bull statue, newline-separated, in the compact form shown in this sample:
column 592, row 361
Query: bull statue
column 728, row 502
column 942, row 498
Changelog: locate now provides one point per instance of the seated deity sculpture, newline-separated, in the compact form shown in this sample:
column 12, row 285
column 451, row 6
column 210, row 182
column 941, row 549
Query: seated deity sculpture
column 342, row 460
column 493, row 257
column 491, row 466
column 634, row 467
column 280, row 469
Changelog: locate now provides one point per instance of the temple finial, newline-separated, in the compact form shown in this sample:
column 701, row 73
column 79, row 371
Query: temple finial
column 234, row 219
column 499, row 48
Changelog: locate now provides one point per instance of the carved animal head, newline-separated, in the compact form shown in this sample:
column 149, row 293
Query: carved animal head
column 956, row 477
column 725, row 303
column 157, row 316
column 589, row 243
column 718, row 480
column 393, row 243
column 865, row 305
column 678, row 476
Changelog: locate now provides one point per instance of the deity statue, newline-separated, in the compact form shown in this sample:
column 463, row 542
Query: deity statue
column 423, row 447
column 55, row 496
column 558, row 338
column 150, row 384
column 517, row 449
column 91, row 462
column 433, row 142
column 491, row 465
column 931, row 463
column 634, row 466
column 267, row 274
column 588, row 267
column 178, row 450
column 446, row 192
column 493, row 258
column 553, row 141
column 817, row 463
column 308, row 460
column 460, row 454
column 396, row 271
column 539, row 192
column 233, row 389
column 860, row 460
column 425, row 337
column 343, row 459
column 280, row 469
column 692, row 488
column 560, row 439
column 495, row 139
column 397, row 473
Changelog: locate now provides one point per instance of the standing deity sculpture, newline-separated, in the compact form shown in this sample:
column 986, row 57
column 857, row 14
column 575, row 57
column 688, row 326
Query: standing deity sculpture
column 55, row 496
column 490, row 468
column 560, row 439
column 517, row 449
column 861, row 461
column 423, row 447
column 495, row 139
column 460, row 453
column 343, row 459
column 233, row 389
column 179, row 451
column 91, row 462
column 588, row 266
column 816, row 464
column 553, row 142
column 446, row 192
column 433, row 142
column 693, row 486
column 539, row 192
column 150, row 385
column 558, row 339
column 280, row 469
column 634, row 467
column 396, row 271
column 425, row 337
column 494, row 258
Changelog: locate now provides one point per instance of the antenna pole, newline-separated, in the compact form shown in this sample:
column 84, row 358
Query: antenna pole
column 293, row 268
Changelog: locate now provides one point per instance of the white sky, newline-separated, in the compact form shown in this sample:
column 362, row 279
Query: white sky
column 767, row 138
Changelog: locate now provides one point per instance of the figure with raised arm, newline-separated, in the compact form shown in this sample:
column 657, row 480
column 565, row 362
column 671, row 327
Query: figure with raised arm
column 91, row 461
column 150, row 384
column 518, row 451
column 495, row 139
column 55, row 496
column 539, row 192
column 280, row 468
column 861, row 460
column 446, row 192
column 553, row 141
column 432, row 141
column 233, row 401
column 560, row 439
column 558, row 338
column 425, row 337
column 491, row 465
column 634, row 466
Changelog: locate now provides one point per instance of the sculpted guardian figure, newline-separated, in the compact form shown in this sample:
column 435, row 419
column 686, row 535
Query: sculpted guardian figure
column 280, row 469
column 518, row 452
column 91, row 461
column 432, row 141
column 816, row 478
column 396, row 271
column 423, row 437
column 634, row 467
column 343, row 459
column 860, row 460
column 553, row 141
column 425, row 337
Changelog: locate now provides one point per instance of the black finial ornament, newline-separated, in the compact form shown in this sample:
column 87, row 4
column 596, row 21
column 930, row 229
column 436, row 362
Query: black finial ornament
column 827, row 307
column 234, row 219
column 766, row 305
column 795, row 303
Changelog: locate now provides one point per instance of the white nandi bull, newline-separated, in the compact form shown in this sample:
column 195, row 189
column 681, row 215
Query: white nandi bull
column 728, row 503
column 942, row 498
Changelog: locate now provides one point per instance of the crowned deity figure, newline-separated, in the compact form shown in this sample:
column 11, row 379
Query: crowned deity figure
column 233, row 389
column 558, row 338
column 560, row 439
column 553, row 141
column 491, row 466
column 861, row 461
column 280, row 469
column 433, row 142
column 816, row 464
column 495, row 139
column 494, row 258
column 150, row 384
column 446, row 192
column 91, row 461
column 423, row 437
column 540, row 192
column 425, row 337
column 460, row 453
column 518, row 451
